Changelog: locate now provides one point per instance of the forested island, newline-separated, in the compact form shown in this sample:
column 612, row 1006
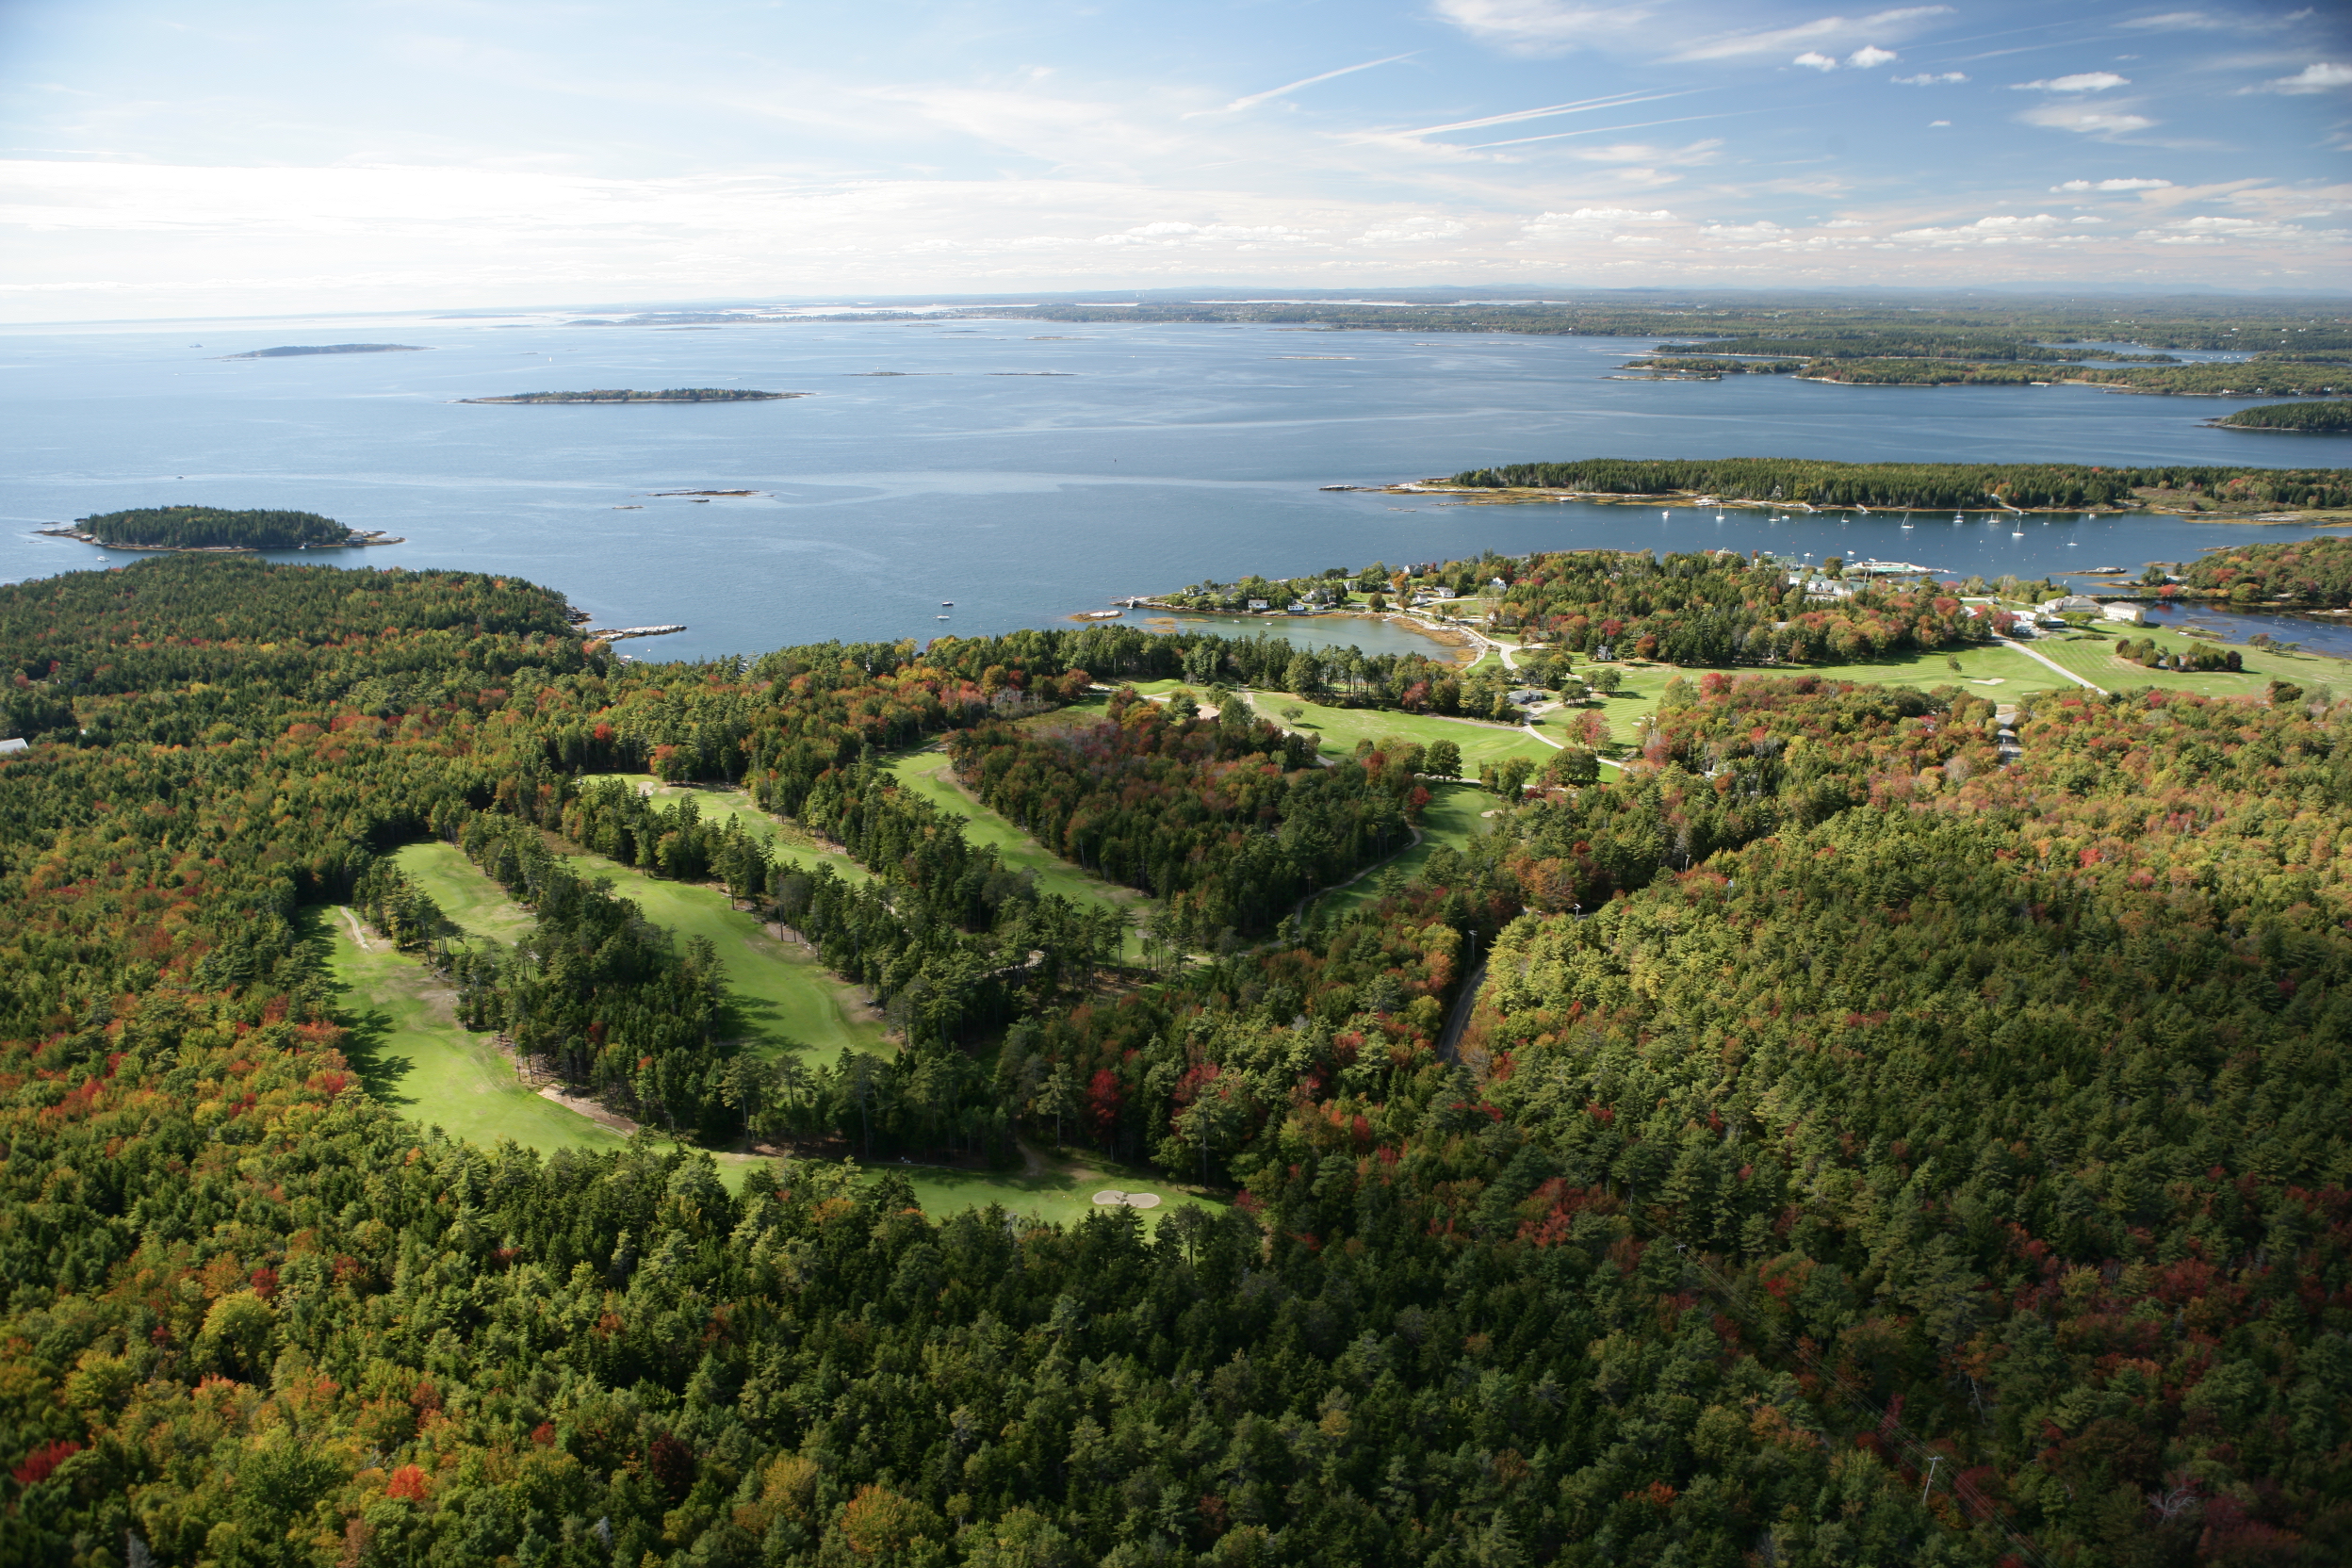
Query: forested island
column 2023, row 486
column 675, row 395
column 2333, row 418
column 1859, row 1123
column 2293, row 349
column 214, row 528
column 298, row 349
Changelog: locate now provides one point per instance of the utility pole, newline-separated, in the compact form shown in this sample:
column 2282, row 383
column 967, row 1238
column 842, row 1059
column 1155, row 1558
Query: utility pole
column 1933, row 1460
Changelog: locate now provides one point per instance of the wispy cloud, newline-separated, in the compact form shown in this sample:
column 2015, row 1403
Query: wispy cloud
column 1821, row 30
column 2113, row 185
column 2083, row 81
column 2180, row 22
column 1930, row 80
column 1254, row 98
column 1544, row 26
column 2100, row 123
column 2323, row 77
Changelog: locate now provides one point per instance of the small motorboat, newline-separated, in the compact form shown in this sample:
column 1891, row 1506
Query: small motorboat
column 949, row 604
column 2016, row 533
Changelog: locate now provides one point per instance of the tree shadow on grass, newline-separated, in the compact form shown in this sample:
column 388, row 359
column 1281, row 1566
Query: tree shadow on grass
column 365, row 1029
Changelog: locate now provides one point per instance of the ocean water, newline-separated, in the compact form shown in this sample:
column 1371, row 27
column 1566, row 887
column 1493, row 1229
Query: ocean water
column 1025, row 470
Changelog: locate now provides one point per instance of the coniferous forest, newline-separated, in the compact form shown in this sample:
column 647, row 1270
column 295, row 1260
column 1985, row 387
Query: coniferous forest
column 1838, row 1137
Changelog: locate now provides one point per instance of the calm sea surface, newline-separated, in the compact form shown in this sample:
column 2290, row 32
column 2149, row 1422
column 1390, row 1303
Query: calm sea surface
column 1024, row 470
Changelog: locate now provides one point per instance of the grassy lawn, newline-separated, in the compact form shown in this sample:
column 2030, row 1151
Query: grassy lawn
column 780, row 991
column 411, row 1053
column 1979, row 667
column 929, row 774
column 1338, row 729
column 478, row 905
column 2092, row 655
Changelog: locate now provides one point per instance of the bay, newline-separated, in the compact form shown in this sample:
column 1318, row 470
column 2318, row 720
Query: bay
column 1024, row 470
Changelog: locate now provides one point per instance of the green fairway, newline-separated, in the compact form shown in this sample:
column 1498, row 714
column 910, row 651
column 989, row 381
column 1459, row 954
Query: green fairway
column 784, row 843
column 478, row 905
column 781, row 992
column 927, row 774
column 1338, row 730
column 2092, row 655
column 1980, row 668
column 1454, row 816
column 410, row 1051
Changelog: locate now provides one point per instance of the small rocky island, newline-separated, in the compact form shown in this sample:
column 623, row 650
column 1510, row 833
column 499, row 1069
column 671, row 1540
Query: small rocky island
column 213, row 527
column 675, row 395
column 2328, row 419
column 295, row 351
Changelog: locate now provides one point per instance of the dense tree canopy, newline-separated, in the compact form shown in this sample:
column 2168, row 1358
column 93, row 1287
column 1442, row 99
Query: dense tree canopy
column 1862, row 1145
column 212, row 528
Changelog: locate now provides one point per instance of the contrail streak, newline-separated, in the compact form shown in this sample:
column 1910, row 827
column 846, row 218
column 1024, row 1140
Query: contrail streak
column 1583, row 105
column 1254, row 98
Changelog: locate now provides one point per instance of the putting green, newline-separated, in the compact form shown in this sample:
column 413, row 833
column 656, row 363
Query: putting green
column 1060, row 1191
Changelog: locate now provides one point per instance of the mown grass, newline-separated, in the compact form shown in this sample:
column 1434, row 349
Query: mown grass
column 479, row 907
column 783, row 997
column 411, row 1052
column 1454, row 816
column 1061, row 1193
column 2092, row 655
column 1336, row 731
column 929, row 774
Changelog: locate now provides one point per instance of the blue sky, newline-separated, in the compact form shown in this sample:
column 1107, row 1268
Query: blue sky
column 238, row 159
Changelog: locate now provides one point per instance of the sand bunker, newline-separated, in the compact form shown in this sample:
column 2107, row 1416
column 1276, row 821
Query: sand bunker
column 1111, row 1197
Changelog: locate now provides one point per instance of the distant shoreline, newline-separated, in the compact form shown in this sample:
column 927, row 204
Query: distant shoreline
column 690, row 395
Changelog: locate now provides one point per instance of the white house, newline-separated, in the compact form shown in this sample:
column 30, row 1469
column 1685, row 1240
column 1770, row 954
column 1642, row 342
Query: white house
column 2119, row 610
column 13, row 743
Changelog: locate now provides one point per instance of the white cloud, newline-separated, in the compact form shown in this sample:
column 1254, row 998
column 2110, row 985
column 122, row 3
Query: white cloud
column 1869, row 56
column 1730, row 45
column 1930, row 80
column 2061, row 117
column 1994, row 229
column 2086, row 81
column 2113, row 185
column 2210, row 230
column 1543, row 26
column 1932, row 123
column 2174, row 21
column 1845, row 223
column 2312, row 78
column 1816, row 60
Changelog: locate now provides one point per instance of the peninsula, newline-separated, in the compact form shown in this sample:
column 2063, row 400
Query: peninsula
column 295, row 351
column 213, row 527
column 1807, row 485
column 675, row 395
